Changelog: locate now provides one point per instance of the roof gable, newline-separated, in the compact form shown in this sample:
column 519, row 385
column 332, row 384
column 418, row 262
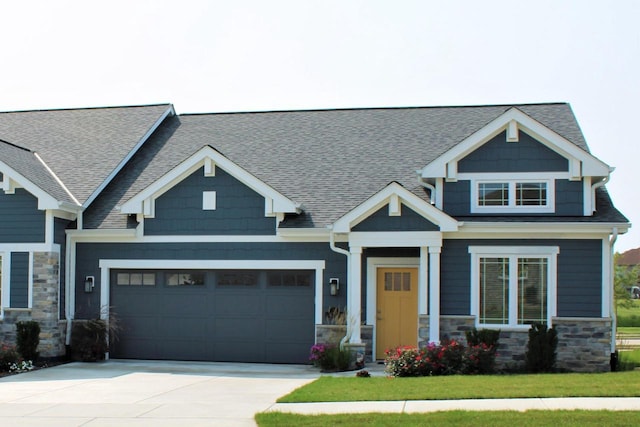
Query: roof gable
column 394, row 195
column 581, row 163
column 209, row 158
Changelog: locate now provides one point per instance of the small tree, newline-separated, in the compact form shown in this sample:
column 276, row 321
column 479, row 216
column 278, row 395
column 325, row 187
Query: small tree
column 27, row 339
column 541, row 348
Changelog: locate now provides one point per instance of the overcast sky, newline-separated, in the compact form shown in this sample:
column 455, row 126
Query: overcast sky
column 218, row 56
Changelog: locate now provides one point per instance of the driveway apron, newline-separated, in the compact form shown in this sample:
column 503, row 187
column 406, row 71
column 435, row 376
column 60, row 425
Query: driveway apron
column 147, row 393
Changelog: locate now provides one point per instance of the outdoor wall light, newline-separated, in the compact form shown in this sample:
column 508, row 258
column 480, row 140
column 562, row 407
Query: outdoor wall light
column 89, row 283
column 334, row 286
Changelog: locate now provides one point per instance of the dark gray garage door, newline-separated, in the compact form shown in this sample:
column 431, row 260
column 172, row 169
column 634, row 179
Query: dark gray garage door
column 220, row 315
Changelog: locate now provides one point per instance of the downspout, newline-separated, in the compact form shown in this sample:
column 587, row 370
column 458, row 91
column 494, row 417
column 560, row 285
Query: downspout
column 67, row 290
column 332, row 245
column 614, row 318
column 431, row 188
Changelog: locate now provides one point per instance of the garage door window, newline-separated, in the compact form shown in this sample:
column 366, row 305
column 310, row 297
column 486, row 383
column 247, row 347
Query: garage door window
column 135, row 278
column 237, row 278
column 185, row 279
column 290, row 278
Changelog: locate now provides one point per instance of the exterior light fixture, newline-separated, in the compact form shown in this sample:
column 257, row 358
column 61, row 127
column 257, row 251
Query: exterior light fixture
column 334, row 286
column 89, row 283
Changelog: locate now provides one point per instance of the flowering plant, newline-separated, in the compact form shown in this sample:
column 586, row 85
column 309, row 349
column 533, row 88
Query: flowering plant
column 329, row 357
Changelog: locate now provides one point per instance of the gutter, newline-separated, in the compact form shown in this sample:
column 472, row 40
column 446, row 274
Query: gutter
column 332, row 245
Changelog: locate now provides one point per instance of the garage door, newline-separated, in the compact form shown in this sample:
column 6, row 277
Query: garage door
column 214, row 315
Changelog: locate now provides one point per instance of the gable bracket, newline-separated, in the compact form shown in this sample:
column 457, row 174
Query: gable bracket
column 8, row 185
column 209, row 167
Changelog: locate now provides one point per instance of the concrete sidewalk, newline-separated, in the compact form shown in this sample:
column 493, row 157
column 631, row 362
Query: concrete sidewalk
column 424, row 406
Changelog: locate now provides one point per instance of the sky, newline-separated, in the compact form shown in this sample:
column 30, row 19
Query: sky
column 243, row 55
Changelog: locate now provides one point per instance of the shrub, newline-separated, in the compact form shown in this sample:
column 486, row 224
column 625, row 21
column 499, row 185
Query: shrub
column 363, row 374
column 89, row 340
column 8, row 356
column 27, row 339
column 482, row 347
column 407, row 362
column 489, row 337
column 329, row 357
column 541, row 348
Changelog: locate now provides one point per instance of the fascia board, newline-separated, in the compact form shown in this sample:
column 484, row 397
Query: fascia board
column 375, row 202
column 280, row 203
column 591, row 166
column 45, row 200
column 538, row 228
column 169, row 112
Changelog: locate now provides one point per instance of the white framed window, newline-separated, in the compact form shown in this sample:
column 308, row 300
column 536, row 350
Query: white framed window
column 513, row 286
column 1, row 289
column 513, row 195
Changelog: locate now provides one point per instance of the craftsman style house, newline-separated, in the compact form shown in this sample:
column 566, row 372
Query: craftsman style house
column 236, row 237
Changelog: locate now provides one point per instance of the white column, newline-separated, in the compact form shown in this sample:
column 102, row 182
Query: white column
column 354, row 294
column 423, row 283
column 434, row 294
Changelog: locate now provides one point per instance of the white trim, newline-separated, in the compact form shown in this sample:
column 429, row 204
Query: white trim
column 581, row 163
column 57, row 179
column 512, row 207
column 49, row 227
column 168, row 112
column 373, row 263
column 423, row 281
column 536, row 228
column 513, row 253
column 434, row 294
column 30, row 282
column 209, row 200
column 587, row 203
column 5, row 294
column 13, row 180
column 382, row 239
column 386, row 196
column 274, row 201
column 107, row 264
column 29, row 247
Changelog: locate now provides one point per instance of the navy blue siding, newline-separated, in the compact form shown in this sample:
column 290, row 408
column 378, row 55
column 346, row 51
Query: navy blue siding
column 408, row 221
column 59, row 237
column 20, row 219
column 89, row 254
column 527, row 155
column 579, row 287
column 19, row 280
column 569, row 198
column 568, row 194
column 239, row 209
column 456, row 198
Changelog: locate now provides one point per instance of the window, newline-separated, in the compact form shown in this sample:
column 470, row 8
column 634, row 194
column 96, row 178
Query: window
column 1, row 305
column 516, row 196
column 237, row 278
column 513, row 286
column 185, row 279
column 290, row 278
column 135, row 278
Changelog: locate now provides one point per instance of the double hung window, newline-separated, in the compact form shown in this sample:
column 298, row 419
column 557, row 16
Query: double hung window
column 515, row 196
column 513, row 286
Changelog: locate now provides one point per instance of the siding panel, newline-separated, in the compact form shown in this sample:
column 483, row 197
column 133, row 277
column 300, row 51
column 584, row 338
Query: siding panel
column 21, row 221
column 19, row 280
column 408, row 221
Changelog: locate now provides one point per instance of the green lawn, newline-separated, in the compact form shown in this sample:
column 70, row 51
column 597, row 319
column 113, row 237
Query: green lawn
column 457, row 418
column 332, row 389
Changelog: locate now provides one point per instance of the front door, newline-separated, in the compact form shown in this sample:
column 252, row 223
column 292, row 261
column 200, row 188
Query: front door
column 397, row 309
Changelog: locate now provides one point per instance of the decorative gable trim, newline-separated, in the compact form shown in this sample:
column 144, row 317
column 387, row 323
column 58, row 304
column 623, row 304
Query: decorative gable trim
column 208, row 158
column 581, row 163
column 13, row 179
column 394, row 195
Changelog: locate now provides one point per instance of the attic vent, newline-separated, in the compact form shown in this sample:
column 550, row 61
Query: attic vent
column 209, row 200
column 512, row 131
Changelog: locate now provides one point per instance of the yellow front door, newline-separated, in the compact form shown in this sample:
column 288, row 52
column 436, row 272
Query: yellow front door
column 397, row 310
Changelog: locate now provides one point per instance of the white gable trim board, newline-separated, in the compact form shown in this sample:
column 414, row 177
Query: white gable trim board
column 581, row 163
column 207, row 157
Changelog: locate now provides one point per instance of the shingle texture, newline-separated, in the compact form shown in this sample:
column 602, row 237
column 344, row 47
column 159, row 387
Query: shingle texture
column 81, row 146
column 330, row 161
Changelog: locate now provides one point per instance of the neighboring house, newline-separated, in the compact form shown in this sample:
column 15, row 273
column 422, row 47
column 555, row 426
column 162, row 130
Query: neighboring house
column 227, row 237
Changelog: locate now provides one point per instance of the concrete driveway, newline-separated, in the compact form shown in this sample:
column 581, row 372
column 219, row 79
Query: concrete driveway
column 147, row 393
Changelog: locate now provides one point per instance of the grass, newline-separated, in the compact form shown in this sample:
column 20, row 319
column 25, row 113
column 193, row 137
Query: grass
column 457, row 418
column 629, row 316
column 630, row 356
column 332, row 389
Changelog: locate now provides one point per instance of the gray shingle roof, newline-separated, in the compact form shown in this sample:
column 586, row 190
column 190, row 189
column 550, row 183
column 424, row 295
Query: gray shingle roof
column 328, row 160
column 81, row 146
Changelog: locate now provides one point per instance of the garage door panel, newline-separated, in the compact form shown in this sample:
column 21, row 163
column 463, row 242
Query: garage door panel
column 264, row 322
column 288, row 306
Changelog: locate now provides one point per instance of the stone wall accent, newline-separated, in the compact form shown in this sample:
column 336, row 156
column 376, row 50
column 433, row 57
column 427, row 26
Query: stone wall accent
column 584, row 344
column 332, row 334
column 44, row 310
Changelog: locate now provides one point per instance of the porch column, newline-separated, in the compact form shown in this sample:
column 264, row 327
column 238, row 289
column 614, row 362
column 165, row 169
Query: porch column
column 423, row 282
column 354, row 294
column 434, row 293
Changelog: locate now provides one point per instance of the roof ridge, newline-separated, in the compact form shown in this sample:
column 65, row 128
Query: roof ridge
column 311, row 110
column 108, row 107
column 16, row 145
